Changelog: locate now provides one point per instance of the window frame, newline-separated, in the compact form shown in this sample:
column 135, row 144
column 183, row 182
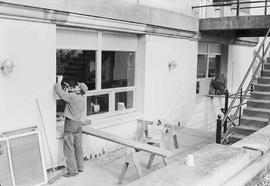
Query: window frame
column 208, row 55
column 98, row 84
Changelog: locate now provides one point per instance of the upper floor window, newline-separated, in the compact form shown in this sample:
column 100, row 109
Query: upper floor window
column 209, row 57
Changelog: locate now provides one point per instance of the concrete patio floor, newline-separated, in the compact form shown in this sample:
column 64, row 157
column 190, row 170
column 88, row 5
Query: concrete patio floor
column 99, row 173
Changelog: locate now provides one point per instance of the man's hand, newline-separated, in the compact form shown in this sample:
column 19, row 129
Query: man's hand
column 59, row 78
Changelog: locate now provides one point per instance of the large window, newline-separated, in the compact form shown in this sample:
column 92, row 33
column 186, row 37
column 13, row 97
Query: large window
column 107, row 67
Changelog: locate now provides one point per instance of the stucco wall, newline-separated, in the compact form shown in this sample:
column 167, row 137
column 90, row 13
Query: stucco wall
column 170, row 94
column 32, row 48
column 179, row 6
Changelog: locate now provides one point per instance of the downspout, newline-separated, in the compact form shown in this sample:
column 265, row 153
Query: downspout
column 251, row 171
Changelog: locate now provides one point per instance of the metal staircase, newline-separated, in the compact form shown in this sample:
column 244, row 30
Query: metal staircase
column 257, row 112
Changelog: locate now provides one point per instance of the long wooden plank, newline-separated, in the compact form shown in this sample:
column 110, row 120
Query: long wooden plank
column 127, row 142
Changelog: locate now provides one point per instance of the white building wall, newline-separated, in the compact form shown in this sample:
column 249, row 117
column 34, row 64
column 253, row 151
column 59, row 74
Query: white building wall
column 179, row 6
column 170, row 93
column 31, row 46
column 239, row 59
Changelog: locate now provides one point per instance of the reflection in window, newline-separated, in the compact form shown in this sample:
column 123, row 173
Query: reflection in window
column 197, row 87
column 212, row 67
column 77, row 66
column 202, row 66
column 123, row 100
column 97, row 104
column 118, row 69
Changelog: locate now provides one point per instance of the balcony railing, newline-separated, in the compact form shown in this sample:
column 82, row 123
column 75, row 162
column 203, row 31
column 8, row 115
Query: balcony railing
column 229, row 8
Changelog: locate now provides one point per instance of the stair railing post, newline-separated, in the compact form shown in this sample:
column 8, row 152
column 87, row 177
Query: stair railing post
column 240, row 109
column 226, row 110
column 218, row 131
column 262, row 61
column 237, row 8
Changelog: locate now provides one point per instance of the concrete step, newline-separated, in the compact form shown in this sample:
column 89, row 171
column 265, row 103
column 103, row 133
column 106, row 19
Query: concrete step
column 266, row 66
column 264, row 80
column 254, row 121
column 245, row 129
column 260, row 95
column 261, row 87
column 236, row 137
column 256, row 112
column 268, row 59
column 258, row 103
column 266, row 73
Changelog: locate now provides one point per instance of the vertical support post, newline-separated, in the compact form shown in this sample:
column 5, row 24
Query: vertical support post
column 99, row 62
column 265, row 7
column 237, row 8
column 218, row 131
column 226, row 110
column 262, row 61
column 240, row 109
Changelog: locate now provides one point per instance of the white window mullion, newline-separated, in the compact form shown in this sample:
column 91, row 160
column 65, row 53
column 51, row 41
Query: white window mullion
column 207, row 66
column 99, row 62
column 111, row 101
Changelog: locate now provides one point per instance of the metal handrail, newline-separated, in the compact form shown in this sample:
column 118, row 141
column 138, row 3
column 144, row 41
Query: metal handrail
column 242, row 84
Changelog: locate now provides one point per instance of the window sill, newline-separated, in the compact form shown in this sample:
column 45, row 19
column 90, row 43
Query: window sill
column 107, row 122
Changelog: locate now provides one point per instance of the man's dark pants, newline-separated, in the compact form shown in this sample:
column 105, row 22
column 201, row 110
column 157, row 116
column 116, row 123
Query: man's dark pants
column 73, row 151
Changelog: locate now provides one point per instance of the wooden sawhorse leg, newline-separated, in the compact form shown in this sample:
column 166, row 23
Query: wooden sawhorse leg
column 152, row 157
column 131, row 158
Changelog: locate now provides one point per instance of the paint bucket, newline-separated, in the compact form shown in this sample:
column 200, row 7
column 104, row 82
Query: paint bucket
column 190, row 160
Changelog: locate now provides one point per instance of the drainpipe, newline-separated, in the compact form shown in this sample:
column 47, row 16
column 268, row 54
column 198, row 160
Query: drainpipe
column 252, row 170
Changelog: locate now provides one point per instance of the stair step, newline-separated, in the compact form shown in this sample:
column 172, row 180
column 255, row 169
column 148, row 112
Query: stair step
column 268, row 59
column 266, row 73
column 245, row 129
column 257, row 121
column 264, row 80
column 236, row 137
column 257, row 112
column 261, row 87
column 258, row 103
column 260, row 95
column 266, row 66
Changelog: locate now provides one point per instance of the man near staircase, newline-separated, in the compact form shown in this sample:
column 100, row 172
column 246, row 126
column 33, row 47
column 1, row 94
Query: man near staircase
column 74, row 109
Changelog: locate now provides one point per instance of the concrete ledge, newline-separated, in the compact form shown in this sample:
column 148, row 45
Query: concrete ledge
column 214, row 164
column 259, row 140
column 217, row 164
column 117, row 10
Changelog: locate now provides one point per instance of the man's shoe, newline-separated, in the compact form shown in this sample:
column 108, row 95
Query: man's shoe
column 70, row 174
column 80, row 170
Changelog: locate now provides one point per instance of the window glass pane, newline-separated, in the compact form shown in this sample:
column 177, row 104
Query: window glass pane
column 201, row 66
column 197, row 87
column 123, row 100
column 5, row 175
column 118, row 69
column 212, row 67
column 97, row 104
column 26, row 160
column 77, row 66
column 202, row 48
column 60, row 107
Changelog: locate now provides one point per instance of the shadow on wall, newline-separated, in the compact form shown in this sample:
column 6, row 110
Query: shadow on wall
column 205, row 114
